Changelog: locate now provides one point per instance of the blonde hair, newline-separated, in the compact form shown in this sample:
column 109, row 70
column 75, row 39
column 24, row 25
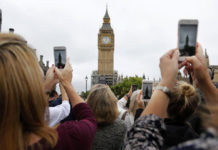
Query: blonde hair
column 22, row 98
column 103, row 103
column 133, row 102
column 184, row 100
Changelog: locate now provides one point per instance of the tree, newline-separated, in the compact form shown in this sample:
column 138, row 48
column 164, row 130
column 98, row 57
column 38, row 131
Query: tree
column 84, row 95
column 123, row 87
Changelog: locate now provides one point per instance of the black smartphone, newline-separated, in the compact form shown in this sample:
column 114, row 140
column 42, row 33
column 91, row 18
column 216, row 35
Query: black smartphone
column 147, row 87
column 60, row 56
column 187, row 38
column 134, row 87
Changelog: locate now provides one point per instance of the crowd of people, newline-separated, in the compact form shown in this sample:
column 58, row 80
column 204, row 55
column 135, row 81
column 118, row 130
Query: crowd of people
column 34, row 117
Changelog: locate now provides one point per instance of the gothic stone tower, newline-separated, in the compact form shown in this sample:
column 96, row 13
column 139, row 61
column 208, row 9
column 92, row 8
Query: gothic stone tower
column 105, row 73
column 106, row 48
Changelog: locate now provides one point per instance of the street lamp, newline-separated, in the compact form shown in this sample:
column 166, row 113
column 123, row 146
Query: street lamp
column 86, row 78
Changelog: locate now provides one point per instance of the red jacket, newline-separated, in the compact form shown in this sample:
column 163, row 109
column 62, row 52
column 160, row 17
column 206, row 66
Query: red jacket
column 75, row 135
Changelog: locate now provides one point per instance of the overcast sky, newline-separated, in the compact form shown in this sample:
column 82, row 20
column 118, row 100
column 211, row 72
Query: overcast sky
column 144, row 30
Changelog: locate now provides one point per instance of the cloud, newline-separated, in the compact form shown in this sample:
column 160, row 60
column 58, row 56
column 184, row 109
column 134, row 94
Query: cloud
column 144, row 30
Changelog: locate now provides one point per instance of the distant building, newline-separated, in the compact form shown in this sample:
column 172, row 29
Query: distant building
column 105, row 73
column 213, row 69
column 43, row 66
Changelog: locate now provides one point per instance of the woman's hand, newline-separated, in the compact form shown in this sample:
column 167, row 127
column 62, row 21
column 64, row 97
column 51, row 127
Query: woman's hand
column 65, row 75
column 139, row 100
column 196, row 65
column 169, row 68
column 51, row 79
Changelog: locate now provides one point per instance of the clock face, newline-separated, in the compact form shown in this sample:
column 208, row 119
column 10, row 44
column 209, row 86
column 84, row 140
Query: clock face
column 106, row 39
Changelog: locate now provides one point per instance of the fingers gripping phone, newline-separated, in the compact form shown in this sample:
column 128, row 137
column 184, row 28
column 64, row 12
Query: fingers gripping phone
column 147, row 87
column 60, row 56
column 187, row 38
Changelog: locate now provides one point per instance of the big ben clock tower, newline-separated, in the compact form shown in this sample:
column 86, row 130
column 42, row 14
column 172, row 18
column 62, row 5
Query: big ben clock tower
column 106, row 47
column 105, row 73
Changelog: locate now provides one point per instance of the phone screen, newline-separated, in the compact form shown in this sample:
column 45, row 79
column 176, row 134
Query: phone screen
column 187, row 39
column 60, row 57
column 147, row 90
column 134, row 88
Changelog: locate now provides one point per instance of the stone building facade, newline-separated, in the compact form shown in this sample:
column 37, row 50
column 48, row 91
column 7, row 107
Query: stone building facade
column 42, row 65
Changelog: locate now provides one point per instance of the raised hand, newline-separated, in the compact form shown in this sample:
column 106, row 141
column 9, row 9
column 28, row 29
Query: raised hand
column 197, row 66
column 169, row 68
column 65, row 75
column 139, row 100
column 50, row 79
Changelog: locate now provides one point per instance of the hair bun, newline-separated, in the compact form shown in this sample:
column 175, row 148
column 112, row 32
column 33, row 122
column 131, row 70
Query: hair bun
column 187, row 90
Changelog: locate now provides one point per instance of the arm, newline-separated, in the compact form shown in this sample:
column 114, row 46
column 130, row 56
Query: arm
column 64, row 94
column 84, row 129
column 123, row 101
column 50, row 79
column 147, row 131
column 58, row 113
column 121, row 104
column 65, row 77
column 81, row 131
column 159, row 100
column 197, row 66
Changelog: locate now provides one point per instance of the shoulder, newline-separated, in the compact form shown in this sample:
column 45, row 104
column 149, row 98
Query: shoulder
column 146, row 133
column 208, row 140
column 120, row 124
column 116, row 128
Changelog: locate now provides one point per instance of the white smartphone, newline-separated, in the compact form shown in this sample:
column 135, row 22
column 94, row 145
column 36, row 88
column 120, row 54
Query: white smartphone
column 147, row 87
column 187, row 37
column 60, row 56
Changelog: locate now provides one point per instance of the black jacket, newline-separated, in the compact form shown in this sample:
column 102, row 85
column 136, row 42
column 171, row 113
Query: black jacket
column 177, row 132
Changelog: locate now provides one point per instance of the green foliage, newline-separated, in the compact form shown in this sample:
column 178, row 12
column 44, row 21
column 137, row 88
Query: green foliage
column 123, row 87
column 84, row 95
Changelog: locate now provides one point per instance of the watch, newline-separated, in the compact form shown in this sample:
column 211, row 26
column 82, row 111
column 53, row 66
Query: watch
column 164, row 89
column 127, row 96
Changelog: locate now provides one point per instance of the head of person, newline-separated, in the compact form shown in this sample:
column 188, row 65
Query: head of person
column 53, row 95
column 133, row 102
column 23, row 101
column 103, row 103
column 184, row 101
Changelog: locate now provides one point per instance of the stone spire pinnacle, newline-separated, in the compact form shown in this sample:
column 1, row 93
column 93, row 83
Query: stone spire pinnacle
column 106, row 24
column 106, row 13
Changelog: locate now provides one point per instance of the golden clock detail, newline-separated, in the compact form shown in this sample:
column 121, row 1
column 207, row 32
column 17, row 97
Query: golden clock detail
column 106, row 40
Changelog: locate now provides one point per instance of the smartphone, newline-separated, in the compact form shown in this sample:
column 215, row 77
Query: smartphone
column 134, row 87
column 60, row 56
column 147, row 87
column 187, row 38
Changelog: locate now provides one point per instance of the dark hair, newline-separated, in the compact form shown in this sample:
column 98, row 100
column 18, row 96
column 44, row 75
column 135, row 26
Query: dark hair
column 53, row 93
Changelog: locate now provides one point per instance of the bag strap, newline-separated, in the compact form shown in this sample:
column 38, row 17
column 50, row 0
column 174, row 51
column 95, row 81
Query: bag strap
column 124, row 115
